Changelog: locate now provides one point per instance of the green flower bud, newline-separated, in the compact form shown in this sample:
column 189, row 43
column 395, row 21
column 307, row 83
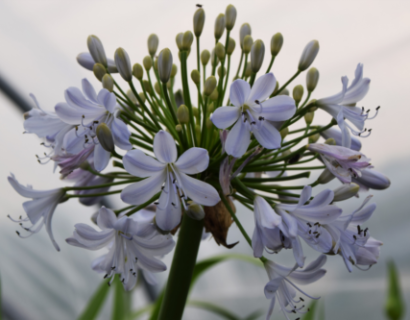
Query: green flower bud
column 284, row 132
column 211, row 107
column 156, row 64
column 231, row 46
column 219, row 26
column 284, row 92
column 123, row 63
column 312, row 78
column 174, row 71
column 247, row 44
column 147, row 63
column 230, row 17
column 314, row 138
column 209, row 124
column 199, row 20
column 325, row 177
column 108, row 82
column 195, row 76
column 138, row 71
column 209, row 85
column 220, row 51
column 153, row 42
column 330, row 141
column 205, row 56
column 99, row 71
column 345, row 191
column 276, row 44
column 308, row 55
column 220, row 70
column 187, row 40
column 298, row 93
column 309, row 117
column 195, row 112
column 142, row 97
column 169, row 85
column 147, row 87
column 157, row 88
column 276, row 88
column 132, row 97
column 214, row 95
column 178, row 128
column 257, row 55
column 178, row 40
column 243, row 32
column 214, row 58
column 164, row 65
column 183, row 114
column 96, row 50
column 105, row 137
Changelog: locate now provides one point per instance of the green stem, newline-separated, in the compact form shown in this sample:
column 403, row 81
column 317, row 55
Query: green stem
column 240, row 65
column 182, row 267
column 244, row 67
column 92, row 194
column 271, row 63
column 286, row 84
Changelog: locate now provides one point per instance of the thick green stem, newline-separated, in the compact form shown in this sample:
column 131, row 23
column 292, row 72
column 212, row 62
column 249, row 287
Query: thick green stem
column 182, row 267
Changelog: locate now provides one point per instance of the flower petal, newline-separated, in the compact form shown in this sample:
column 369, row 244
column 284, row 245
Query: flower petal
column 199, row 191
column 193, row 161
column 89, row 91
column 106, row 218
column 107, row 99
column 140, row 192
column 323, row 198
column 269, row 218
column 238, row 140
column 305, row 195
column 169, row 208
column 101, row 158
column 29, row 192
column 323, row 214
column 139, row 164
column 279, row 108
column 121, row 134
column 268, row 136
column 224, row 117
column 239, row 93
column 164, row 147
column 262, row 88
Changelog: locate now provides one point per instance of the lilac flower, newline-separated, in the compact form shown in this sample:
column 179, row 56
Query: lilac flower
column 372, row 179
column 281, row 287
column 336, row 134
column 342, row 162
column 86, row 112
column 173, row 172
column 249, row 113
column 39, row 210
column 133, row 243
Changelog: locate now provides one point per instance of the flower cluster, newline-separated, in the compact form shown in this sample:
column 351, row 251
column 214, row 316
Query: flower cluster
column 187, row 165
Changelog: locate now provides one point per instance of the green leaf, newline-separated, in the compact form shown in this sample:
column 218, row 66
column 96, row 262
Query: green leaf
column 122, row 301
column 140, row 312
column 310, row 315
column 395, row 306
column 95, row 304
column 225, row 314
column 254, row 315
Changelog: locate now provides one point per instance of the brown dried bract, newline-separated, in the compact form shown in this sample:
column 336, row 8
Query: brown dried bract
column 218, row 220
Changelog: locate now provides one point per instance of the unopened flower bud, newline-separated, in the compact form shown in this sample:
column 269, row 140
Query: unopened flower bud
column 195, row 76
column 219, row 26
column 230, row 17
column 153, row 42
column 345, row 191
column 209, row 85
column 199, row 20
column 195, row 211
column 309, row 117
column 284, row 132
column 187, row 40
column 325, row 177
column 183, row 114
column 276, row 88
column 142, row 97
column 205, row 56
column 164, row 65
column 178, row 128
column 104, row 136
column 284, row 92
column 157, row 88
column 330, row 141
column 247, row 44
column 195, row 112
column 220, row 68
column 220, row 51
column 214, row 58
column 147, row 87
column 156, row 64
column 298, row 93
column 314, row 138
column 108, row 82
column 214, row 95
column 276, row 44
column 308, row 55
column 211, row 107
column 122, row 61
column 312, row 78
column 248, row 70
column 147, row 62
column 231, row 46
column 132, row 97
column 99, row 71
column 243, row 32
column 178, row 40
column 257, row 55
column 96, row 50
column 138, row 71
column 174, row 70
column 373, row 179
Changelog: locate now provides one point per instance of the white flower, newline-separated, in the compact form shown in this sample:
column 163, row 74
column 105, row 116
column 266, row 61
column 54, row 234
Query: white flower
column 174, row 173
column 281, row 288
column 249, row 113
column 133, row 243
column 86, row 113
column 40, row 209
column 342, row 162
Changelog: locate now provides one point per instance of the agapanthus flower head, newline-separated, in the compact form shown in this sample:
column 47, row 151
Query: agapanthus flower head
column 251, row 113
column 39, row 210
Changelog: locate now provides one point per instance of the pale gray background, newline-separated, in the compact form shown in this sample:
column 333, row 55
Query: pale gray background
column 39, row 42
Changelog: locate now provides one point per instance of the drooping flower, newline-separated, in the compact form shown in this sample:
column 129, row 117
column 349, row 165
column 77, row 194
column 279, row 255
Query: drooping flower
column 133, row 243
column 86, row 112
column 39, row 210
column 249, row 112
column 344, row 163
column 174, row 173
column 281, row 287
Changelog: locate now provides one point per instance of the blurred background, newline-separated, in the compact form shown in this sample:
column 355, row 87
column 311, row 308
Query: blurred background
column 40, row 41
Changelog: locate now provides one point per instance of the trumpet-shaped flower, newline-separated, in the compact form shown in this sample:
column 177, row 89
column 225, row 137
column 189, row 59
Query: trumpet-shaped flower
column 281, row 287
column 251, row 113
column 133, row 243
column 39, row 210
column 86, row 112
column 344, row 163
column 178, row 185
